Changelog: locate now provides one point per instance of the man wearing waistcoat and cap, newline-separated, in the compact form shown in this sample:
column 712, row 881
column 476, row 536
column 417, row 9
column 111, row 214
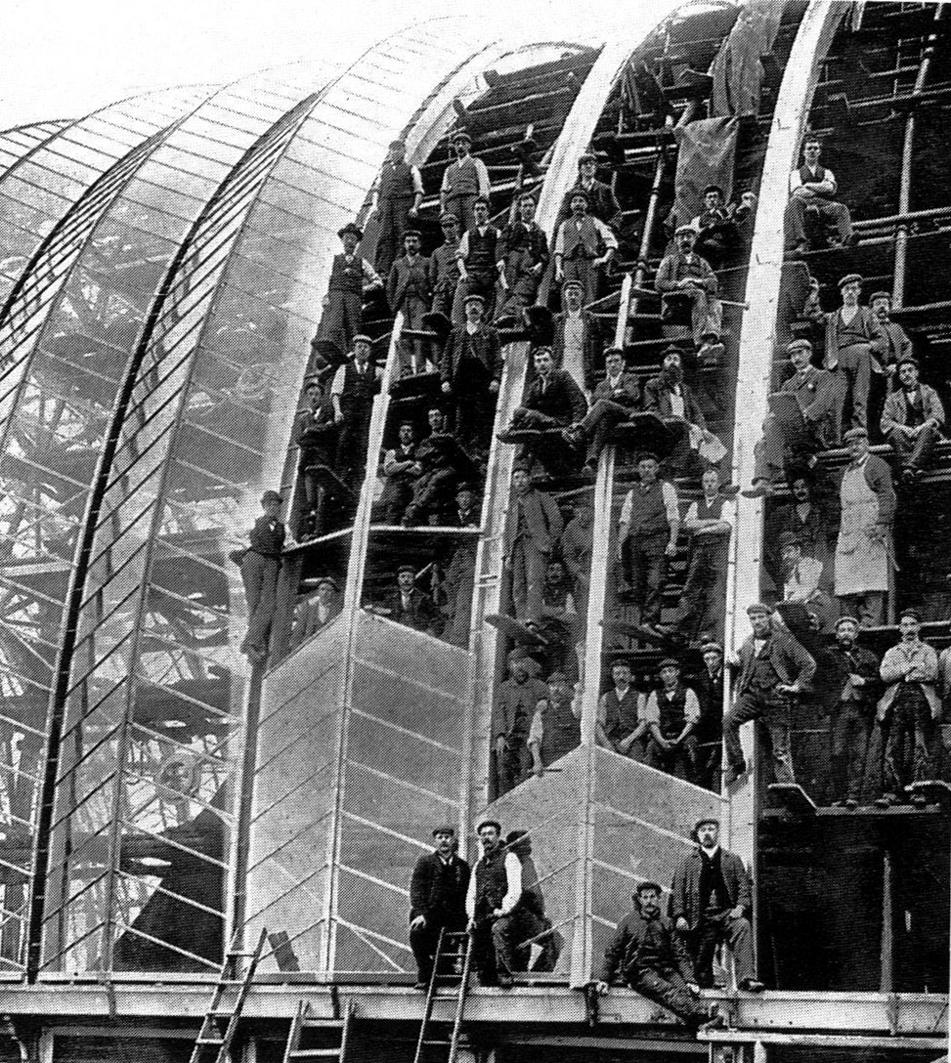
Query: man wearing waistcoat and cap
column 620, row 723
column 813, row 187
column 602, row 202
column 398, row 196
column 409, row 290
column 479, row 257
column 463, row 181
column 492, row 903
column 583, row 246
column 351, row 278
column 437, row 897
column 355, row 384
column 260, row 564
column 523, row 251
column 447, row 296
column 684, row 273
column 672, row 713
column 517, row 699
column 556, row 724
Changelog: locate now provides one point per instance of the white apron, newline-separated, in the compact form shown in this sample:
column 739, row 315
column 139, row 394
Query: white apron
column 861, row 564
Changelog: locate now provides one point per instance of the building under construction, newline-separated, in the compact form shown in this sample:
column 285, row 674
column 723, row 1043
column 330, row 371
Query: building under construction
column 204, row 854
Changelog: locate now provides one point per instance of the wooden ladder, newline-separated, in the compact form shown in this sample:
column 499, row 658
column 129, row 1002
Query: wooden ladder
column 210, row 1037
column 303, row 1021
column 454, row 948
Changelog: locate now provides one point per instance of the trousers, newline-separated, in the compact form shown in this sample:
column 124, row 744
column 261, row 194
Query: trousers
column 852, row 376
column 715, row 928
column 681, row 761
column 908, row 749
column 259, row 576
column 827, row 209
column 849, row 729
column 667, row 988
column 646, row 570
column 493, row 945
column 773, row 710
column 914, row 452
column 341, row 320
column 423, row 941
column 528, row 565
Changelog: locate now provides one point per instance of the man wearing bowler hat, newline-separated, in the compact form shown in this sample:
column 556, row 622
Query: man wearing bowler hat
column 437, row 897
column 463, row 181
column 710, row 903
column 351, row 277
column 471, row 371
column 912, row 421
column 396, row 207
column 583, row 246
column 355, row 384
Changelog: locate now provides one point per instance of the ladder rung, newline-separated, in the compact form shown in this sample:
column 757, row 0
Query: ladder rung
column 209, row 1041
column 324, row 1024
column 442, row 1043
column 313, row 1053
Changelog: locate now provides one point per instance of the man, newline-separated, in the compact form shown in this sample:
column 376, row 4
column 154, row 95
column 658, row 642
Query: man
column 898, row 345
column 620, row 724
column 863, row 550
column 853, row 678
column 672, row 713
column 411, row 607
column 468, row 507
column 459, row 578
column 583, row 246
column 787, row 441
column 317, row 611
column 470, row 371
column 399, row 194
column 559, row 623
column 909, row 708
column 400, row 468
column 650, row 957
column 576, row 343
column 813, row 187
column 647, row 538
column 355, row 384
column 516, row 701
column 553, row 401
column 774, row 669
column 710, row 903
column 440, row 465
column 613, row 401
column 409, row 289
column 717, row 233
column 685, row 275
column 555, row 729
column 437, row 897
column 912, row 421
column 447, row 295
column 533, row 923
column 602, row 202
column 523, row 255
column 479, row 258
column 807, row 520
column 854, row 341
column 463, row 180
column 260, row 564
column 576, row 545
column 532, row 532
column 315, row 433
column 801, row 584
column 492, row 904
column 351, row 278
column 708, row 686
column 669, row 397
column 709, row 522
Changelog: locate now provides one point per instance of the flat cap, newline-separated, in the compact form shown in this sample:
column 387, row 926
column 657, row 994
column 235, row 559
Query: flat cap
column 710, row 646
column 474, row 297
column 713, row 188
column 406, row 567
column 489, row 823
column 572, row 284
column 460, row 134
column 703, row 820
column 855, row 433
column 328, row 580
column 847, row 620
column 362, row 337
column 444, row 828
column 758, row 607
column 879, row 295
column 798, row 345
column 558, row 677
column 587, row 156
column 911, row 611
column 447, row 218
column 579, row 192
column 851, row 278
column 647, row 884
column 908, row 358
column 685, row 229
column 412, row 232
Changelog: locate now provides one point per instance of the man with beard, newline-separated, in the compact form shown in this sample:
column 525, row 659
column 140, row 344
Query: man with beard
column 523, row 250
column 684, row 274
column 463, row 181
column 396, row 204
column 409, row 290
column 400, row 469
column 577, row 341
column 516, row 701
column 439, row 466
column 650, row 957
column 853, row 682
column 912, row 421
column 437, row 897
column 672, row 713
column 583, row 246
column 669, row 397
column 471, row 370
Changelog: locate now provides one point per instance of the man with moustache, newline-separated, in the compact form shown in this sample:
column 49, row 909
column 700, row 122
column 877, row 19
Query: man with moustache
column 493, row 907
column 685, row 274
column 437, row 896
column 463, row 181
column 670, row 398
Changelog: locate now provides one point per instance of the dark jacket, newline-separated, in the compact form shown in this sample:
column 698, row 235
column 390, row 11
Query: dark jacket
column 895, row 412
column 622, row 955
column 657, row 400
column 418, row 277
column 675, row 266
column 485, row 345
column 815, row 394
column 602, row 204
column 840, row 664
column 428, row 895
column 542, row 518
column 421, row 614
column 685, row 889
column 531, row 241
column 865, row 322
column 561, row 399
column 592, row 344
column 792, row 661
column 628, row 393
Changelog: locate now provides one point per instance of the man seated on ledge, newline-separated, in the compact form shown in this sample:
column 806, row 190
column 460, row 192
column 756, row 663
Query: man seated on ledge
column 812, row 187
column 912, row 421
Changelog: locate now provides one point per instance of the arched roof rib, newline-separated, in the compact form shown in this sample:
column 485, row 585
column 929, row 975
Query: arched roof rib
column 20, row 141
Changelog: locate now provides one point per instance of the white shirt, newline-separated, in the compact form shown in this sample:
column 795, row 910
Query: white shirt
column 727, row 516
column 513, row 881
column 677, row 401
column 610, row 240
column 652, row 709
column 758, row 645
column 336, row 388
column 482, row 176
column 795, row 181
column 668, row 493
column 462, row 251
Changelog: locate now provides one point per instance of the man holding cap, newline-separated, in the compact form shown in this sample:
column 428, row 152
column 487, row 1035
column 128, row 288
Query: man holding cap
column 354, row 387
column 577, row 341
column 260, row 565
column 790, row 439
column 399, row 193
column 909, row 709
column 853, row 682
column 470, row 371
column 649, row 956
column 685, row 274
column 863, row 550
column 583, row 245
column 773, row 670
column 710, row 903
column 912, row 421
column 409, row 290
column 437, row 897
column 492, row 905
column 463, row 181
column 351, row 277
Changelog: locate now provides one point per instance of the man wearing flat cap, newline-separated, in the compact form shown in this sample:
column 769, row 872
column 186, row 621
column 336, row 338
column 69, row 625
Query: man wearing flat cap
column 577, row 340
column 615, row 398
column 409, row 290
column 912, row 421
column 493, row 905
column 556, row 724
column 355, row 385
column 854, row 342
column 773, row 670
column 789, row 439
column 583, row 246
column 863, row 551
column 447, row 295
column 479, row 256
column 410, row 606
column 437, row 897
column 317, row 610
column 351, row 278
column 470, row 372
column 813, row 187
column 463, row 181
column 672, row 713
column 909, row 709
column 708, row 684
column 398, row 195
column 710, row 904
column 683, row 274
column 523, row 251
column 532, row 532
column 516, row 700
column 648, row 955
column 602, row 202
column 802, row 576
column 260, row 565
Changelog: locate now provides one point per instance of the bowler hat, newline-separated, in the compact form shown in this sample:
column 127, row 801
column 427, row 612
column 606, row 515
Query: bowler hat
column 406, row 567
column 270, row 496
column 412, row 232
column 350, row 227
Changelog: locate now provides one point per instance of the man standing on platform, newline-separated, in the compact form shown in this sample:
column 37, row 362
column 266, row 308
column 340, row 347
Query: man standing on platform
column 260, row 565
column 708, row 685
column 437, row 897
column 602, row 202
column 480, row 258
column 409, row 290
column 863, row 550
column 471, row 370
column 492, row 904
column 583, row 246
column 620, row 725
column 899, row 346
column 912, row 421
column 774, row 669
column 447, row 298
column 577, row 341
column 398, row 197
column 710, row 903
column 463, row 181
column 355, row 385
column 315, row 433
column 351, row 278
column 812, row 187
column 532, row 532
column 683, row 273
column 523, row 249
column 576, row 545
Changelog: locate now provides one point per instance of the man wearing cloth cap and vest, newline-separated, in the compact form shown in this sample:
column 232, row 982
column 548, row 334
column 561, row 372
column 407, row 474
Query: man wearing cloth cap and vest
column 602, row 202
column 854, row 342
column 447, row 296
column 315, row 433
column 351, row 277
column 492, row 904
column 852, row 672
column 684, row 273
column 583, row 245
column 577, row 341
column 863, row 550
column 773, row 670
column 470, row 371
column 523, row 253
column 354, row 387
column 912, row 421
column 813, row 186
column 620, row 722
column 437, row 897
column 260, row 565
column 786, row 439
column 516, row 701
column 409, row 606
column 555, row 729
column 409, row 290
column 649, row 955
column 910, row 709
column 710, row 903
column 479, row 256
column 463, row 181
column 396, row 203
column 672, row 713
